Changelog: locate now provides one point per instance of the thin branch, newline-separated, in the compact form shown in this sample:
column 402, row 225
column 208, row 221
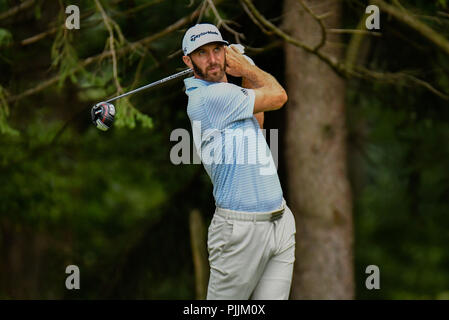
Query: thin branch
column 444, row 14
column 256, row 22
column 266, row 23
column 106, row 20
column 13, row 11
column 141, row 7
column 175, row 54
column 342, row 70
column 321, row 24
column 54, row 29
column 427, row 86
column 425, row 31
column 432, row 18
column 39, row 36
column 278, row 18
column 256, row 51
column 325, row 15
column 395, row 77
column 410, row 40
column 355, row 42
column 50, row 31
column 399, row 5
column 202, row 10
column 138, row 73
column 223, row 23
column 355, row 31
column 330, row 61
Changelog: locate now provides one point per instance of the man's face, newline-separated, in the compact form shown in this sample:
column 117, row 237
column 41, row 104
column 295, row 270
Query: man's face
column 209, row 62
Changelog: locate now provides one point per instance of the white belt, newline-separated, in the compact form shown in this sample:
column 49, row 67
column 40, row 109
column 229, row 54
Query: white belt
column 251, row 216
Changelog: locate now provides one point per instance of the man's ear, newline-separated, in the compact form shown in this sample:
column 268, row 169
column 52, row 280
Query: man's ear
column 187, row 61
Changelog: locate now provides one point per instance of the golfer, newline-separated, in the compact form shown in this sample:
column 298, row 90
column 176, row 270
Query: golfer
column 251, row 238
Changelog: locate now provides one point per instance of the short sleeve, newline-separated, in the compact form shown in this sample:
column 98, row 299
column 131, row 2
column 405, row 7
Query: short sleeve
column 226, row 103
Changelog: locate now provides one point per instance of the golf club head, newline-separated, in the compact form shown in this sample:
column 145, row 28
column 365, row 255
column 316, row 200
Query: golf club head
column 103, row 114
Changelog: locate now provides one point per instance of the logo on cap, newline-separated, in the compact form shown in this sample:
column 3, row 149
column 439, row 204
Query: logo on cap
column 196, row 36
column 205, row 33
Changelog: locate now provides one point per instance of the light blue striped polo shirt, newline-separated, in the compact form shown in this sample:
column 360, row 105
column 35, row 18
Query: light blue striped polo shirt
column 232, row 147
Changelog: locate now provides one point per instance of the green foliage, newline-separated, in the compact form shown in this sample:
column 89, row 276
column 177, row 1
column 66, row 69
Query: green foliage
column 128, row 115
column 398, row 162
column 4, row 113
column 400, row 207
column 97, row 194
column 64, row 56
column 5, row 37
column 79, row 196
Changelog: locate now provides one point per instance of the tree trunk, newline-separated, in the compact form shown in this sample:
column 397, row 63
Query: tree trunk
column 318, row 188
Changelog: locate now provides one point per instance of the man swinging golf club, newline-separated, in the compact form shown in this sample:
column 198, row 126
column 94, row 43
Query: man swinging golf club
column 251, row 238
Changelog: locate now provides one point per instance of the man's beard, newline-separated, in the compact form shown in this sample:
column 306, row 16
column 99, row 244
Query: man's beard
column 207, row 76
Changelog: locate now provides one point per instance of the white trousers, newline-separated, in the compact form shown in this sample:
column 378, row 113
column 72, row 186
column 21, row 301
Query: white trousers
column 250, row 259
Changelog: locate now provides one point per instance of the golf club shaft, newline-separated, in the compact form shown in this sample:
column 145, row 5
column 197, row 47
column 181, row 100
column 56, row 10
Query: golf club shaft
column 173, row 76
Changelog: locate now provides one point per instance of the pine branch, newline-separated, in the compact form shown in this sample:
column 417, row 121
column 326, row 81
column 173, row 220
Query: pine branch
column 122, row 51
column 107, row 23
column 54, row 29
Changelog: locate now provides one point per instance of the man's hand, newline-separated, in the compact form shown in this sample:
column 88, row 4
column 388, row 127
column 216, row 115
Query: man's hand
column 269, row 94
column 236, row 64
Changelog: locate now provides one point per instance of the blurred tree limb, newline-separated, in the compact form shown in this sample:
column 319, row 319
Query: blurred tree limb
column 124, row 50
column 343, row 69
column 224, row 23
column 110, row 24
column 320, row 22
column 37, row 37
column 329, row 60
column 402, row 16
column 268, row 27
column 15, row 10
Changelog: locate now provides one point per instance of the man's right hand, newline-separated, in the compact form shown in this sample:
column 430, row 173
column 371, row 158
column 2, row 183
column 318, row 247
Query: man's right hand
column 236, row 63
column 269, row 94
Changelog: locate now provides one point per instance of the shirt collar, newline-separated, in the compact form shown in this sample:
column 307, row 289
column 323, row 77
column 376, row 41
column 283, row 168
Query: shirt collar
column 193, row 83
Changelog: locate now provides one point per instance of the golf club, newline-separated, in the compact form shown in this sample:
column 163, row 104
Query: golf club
column 173, row 76
column 103, row 113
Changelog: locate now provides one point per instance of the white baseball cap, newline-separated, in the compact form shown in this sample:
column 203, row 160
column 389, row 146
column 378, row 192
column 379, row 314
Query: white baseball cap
column 199, row 35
